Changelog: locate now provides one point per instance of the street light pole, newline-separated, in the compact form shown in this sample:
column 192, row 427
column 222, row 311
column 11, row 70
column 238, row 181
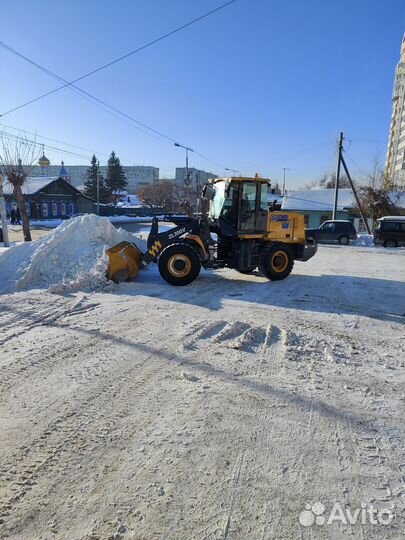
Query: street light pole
column 98, row 188
column 284, row 169
column 187, row 180
column 3, row 213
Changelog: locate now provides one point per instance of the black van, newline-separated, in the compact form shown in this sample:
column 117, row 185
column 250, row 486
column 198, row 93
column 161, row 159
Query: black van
column 390, row 231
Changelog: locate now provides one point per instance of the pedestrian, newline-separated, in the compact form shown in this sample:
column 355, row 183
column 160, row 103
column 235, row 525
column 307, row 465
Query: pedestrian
column 12, row 216
column 17, row 217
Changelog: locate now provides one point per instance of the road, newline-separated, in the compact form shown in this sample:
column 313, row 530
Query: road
column 214, row 411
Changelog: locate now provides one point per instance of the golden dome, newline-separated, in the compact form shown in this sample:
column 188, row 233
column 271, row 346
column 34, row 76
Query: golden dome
column 44, row 161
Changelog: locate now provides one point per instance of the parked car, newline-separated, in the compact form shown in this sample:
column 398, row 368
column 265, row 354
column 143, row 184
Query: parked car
column 390, row 231
column 341, row 230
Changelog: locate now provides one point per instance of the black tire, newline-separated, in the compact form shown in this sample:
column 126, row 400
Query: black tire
column 247, row 271
column 179, row 264
column 276, row 262
column 344, row 240
column 390, row 244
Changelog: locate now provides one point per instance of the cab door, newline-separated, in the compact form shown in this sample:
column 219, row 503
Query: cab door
column 262, row 215
column 247, row 207
column 253, row 208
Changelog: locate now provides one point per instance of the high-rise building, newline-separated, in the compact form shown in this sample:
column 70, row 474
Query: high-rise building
column 137, row 175
column 395, row 165
column 196, row 177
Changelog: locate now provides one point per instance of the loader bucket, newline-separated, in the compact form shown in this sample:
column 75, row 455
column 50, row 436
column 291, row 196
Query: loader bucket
column 124, row 261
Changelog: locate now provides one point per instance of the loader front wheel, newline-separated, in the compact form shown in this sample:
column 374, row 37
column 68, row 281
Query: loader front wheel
column 276, row 262
column 179, row 264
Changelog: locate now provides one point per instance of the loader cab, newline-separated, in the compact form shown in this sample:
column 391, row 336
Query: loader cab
column 239, row 205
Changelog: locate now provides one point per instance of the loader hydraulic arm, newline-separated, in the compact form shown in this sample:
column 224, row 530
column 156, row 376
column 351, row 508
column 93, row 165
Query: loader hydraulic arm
column 158, row 241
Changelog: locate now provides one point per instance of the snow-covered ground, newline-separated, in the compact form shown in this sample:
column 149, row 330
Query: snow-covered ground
column 213, row 411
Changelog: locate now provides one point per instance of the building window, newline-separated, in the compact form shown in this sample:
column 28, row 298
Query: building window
column 62, row 209
column 44, row 209
column 306, row 220
column 28, row 208
column 54, row 209
column 70, row 209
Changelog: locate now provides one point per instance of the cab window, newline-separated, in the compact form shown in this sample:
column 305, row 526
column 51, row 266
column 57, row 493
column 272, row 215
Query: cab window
column 249, row 196
column 248, row 206
column 264, row 197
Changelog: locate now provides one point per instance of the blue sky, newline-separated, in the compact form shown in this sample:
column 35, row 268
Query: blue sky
column 252, row 87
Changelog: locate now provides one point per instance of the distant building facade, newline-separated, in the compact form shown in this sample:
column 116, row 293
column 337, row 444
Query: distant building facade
column 197, row 177
column 137, row 175
column 395, row 164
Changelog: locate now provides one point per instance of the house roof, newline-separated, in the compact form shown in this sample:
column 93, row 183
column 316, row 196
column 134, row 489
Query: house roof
column 317, row 199
column 34, row 184
column 322, row 199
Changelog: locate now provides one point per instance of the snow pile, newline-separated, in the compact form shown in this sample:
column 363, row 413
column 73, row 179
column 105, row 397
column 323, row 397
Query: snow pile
column 364, row 240
column 71, row 257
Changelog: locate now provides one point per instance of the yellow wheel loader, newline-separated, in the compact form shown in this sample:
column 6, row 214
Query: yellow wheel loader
column 236, row 230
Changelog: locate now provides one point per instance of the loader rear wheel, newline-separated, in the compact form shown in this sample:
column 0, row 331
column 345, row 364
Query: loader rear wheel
column 276, row 262
column 179, row 264
column 248, row 271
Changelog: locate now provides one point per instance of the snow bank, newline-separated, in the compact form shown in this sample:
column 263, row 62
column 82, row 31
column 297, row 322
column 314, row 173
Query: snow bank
column 364, row 240
column 71, row 257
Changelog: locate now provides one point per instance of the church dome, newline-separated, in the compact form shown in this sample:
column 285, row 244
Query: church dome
column 44, row 161
column 63, row 173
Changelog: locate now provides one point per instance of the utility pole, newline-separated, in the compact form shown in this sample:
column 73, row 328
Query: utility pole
column 98, row 188
column 341, row 161
column 197, row 183
column 340, row 148
column 187, row 178
column 3, row 213
column 284, row 169
column 356, row 196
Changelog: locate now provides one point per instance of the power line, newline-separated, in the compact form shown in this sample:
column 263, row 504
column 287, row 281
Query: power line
column 364, row 140
column 9, row 136
column 114, row 111
column 357, row 166
column 54, row 140
column 119, row 59
column 97, row 101
column 290, row 156
column 106, row 107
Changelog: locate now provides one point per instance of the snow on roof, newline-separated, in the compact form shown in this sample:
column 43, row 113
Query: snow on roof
column 275, row 197
column 32, row 184
column 392, row 218
column 317, row 199
column 129, row 201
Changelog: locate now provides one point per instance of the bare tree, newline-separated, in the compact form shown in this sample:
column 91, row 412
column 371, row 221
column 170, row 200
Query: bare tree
column 375, row 197
column 376, row 202
column 165, row 194
column 328, row 181
column 18, row 156
column 375, row 178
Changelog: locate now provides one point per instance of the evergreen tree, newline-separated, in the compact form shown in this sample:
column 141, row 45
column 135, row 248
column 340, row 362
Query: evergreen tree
column 90, row 185
column 116, row 180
